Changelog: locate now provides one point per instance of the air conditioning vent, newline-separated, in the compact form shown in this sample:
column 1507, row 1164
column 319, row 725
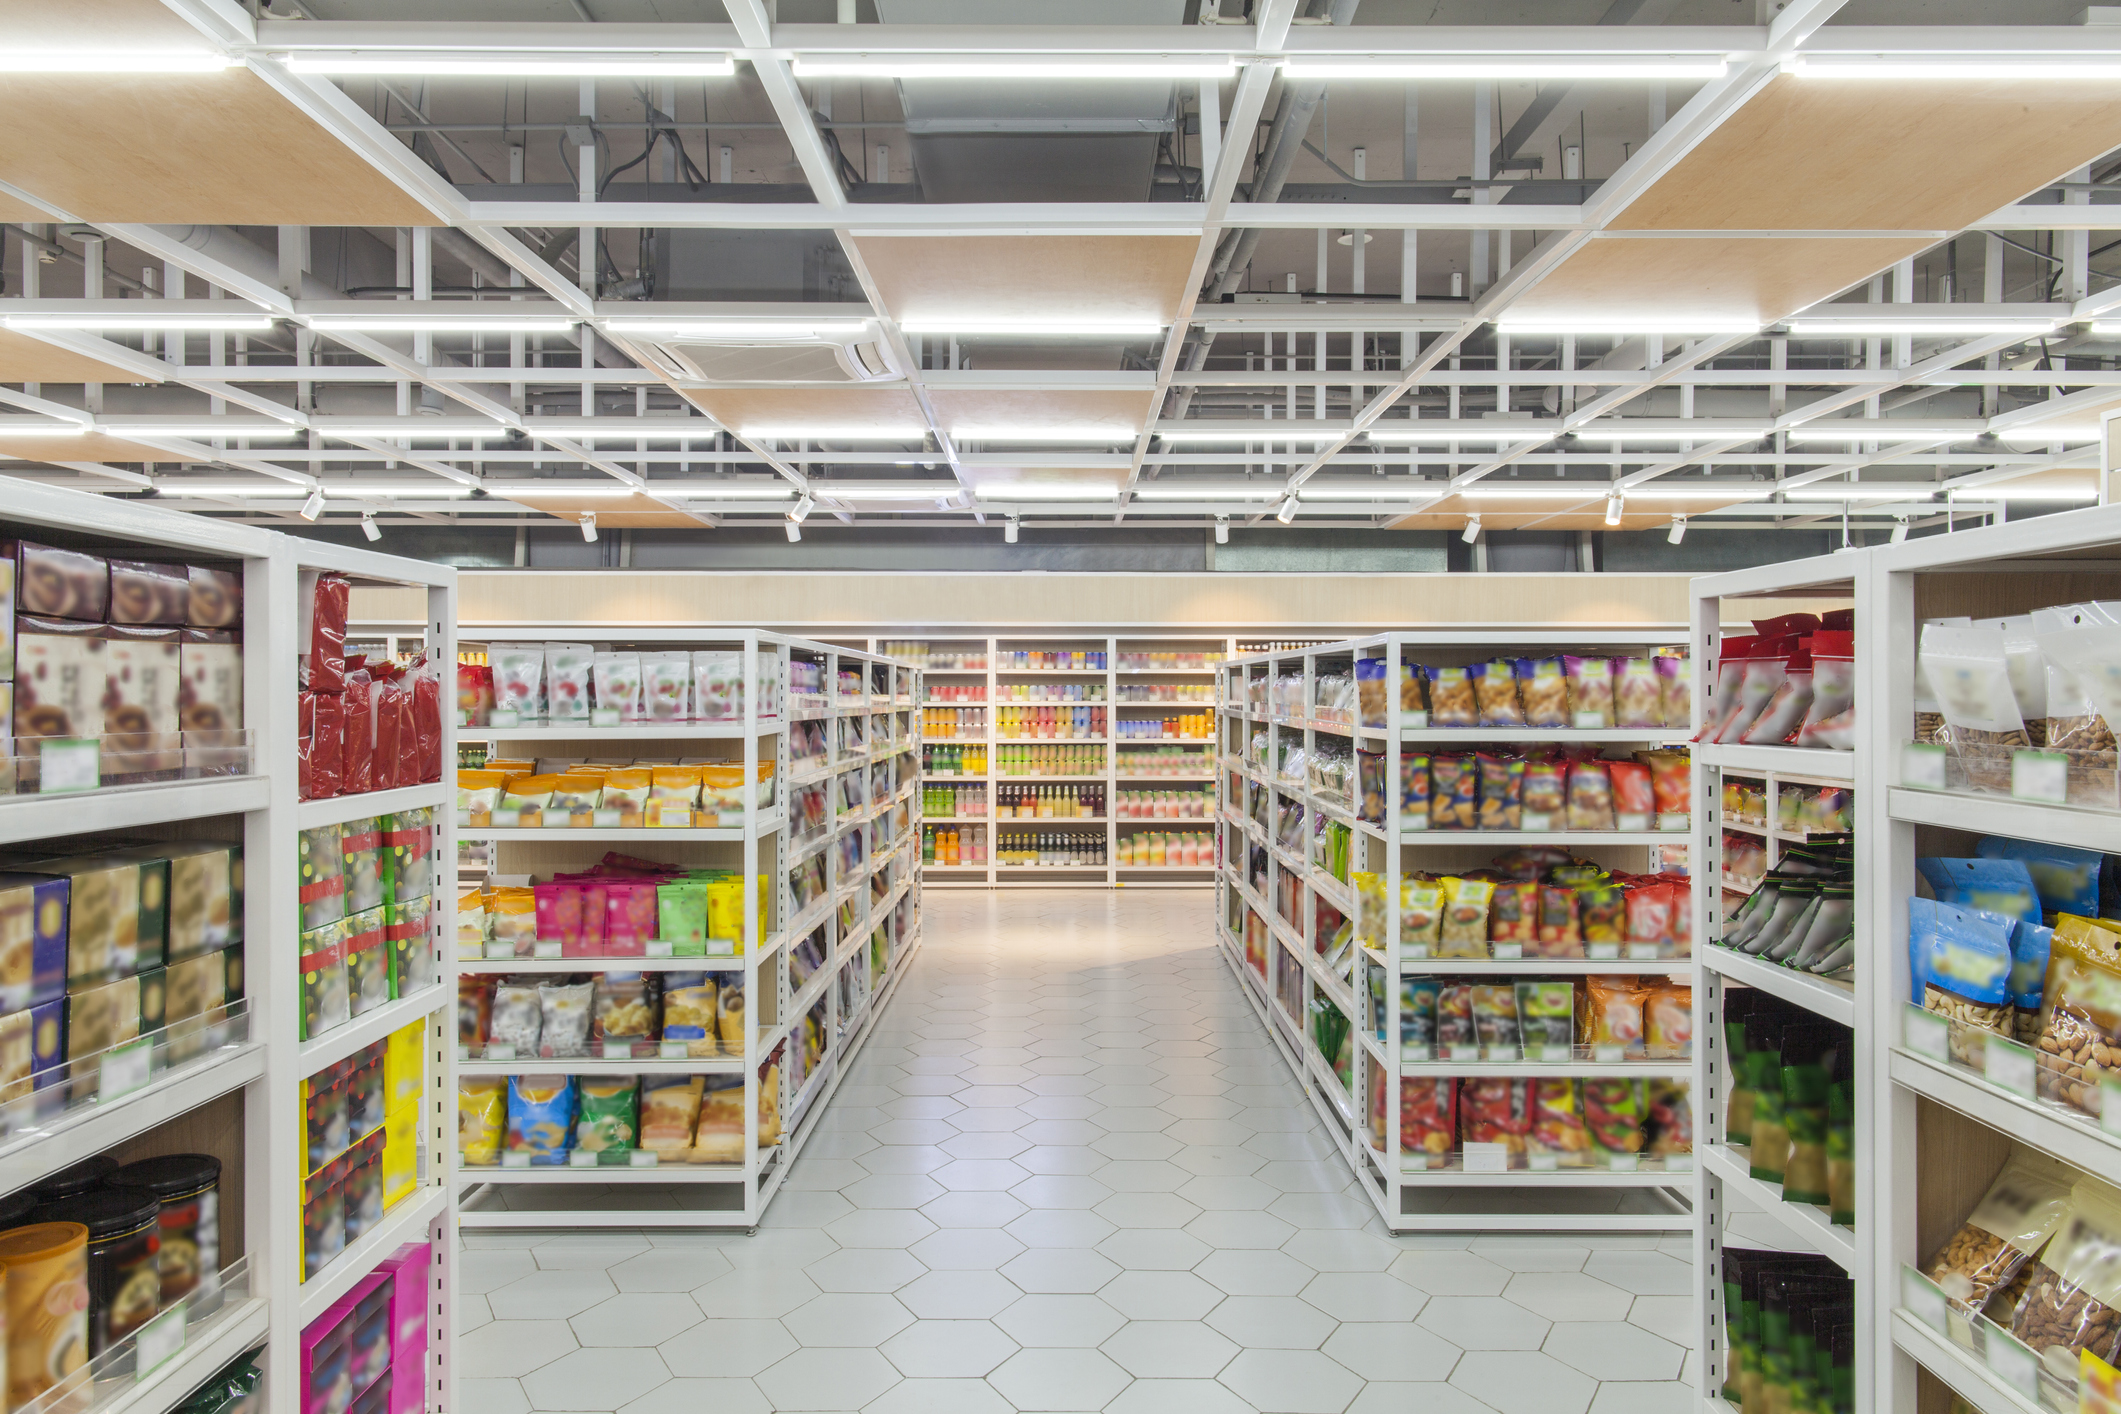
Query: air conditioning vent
column 777, row 361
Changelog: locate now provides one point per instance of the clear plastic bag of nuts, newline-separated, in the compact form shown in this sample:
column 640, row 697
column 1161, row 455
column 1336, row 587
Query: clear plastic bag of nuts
column 2073, row 1302
column 2006, row 1230
column 2080, row 1036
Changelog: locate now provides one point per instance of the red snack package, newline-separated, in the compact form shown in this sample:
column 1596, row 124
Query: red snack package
column 427, row 724
column 1671, row 781
column 1492, row 1110
column 1560, row 924
column 327, row 604
column 1428, row 1118
column 474, row 694
column 1634, row 803
column 359, row 753
column 305, row 734
column 1513, row 914
column 387, row 697
column 1559, row 1135
column 327, row 747
column 407, row 769
column 1650, row 911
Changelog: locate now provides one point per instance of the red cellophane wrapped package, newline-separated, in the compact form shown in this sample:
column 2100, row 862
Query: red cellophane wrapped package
column 327, row 748
column 329, row 601
column 1492, row 1110
column 474, row 694
column 407, row 769
column 305, row 735
column 388, row 695
column 427, row 722
column 1428, row 1116
column 359, row 755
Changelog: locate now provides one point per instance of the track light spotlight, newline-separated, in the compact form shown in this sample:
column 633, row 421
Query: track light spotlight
column 1287, row 512
column 1899, row 529
column 1472, row 530
column 589, row 525
column 1009, row 531
column 802, row 510
column 1612, row 510
column 1222, row 530
column 1678, row 531
column 314, row 506
column 795, row 532
column 369, row 527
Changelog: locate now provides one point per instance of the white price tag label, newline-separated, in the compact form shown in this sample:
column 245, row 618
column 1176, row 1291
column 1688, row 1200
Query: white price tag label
column 1555, row 1055
column 1644, row 952
column 1623, row 1163
column 1609, row 1054
column 1508, row 952
column 125, row 1069
column 1416, row 721
column 499, row 951
column 1923, row 1298
column 659, row 947
column 1922, row 765
column 642, row 1159
column 672, row 1050
column 721, row 947
column 1602, row 952
column 503, row 717
column 507, row 819
column 1486, row 1158
column 581, row 1159
column 69, row 764
column 545, row 951
column 1630, row 820
column 1504, row 1055
column 1674, row 820
column 1542, row 1163
column 1462, row 1051
column 2012, row 1361
column 515, row 1161
column 2110, row 1106
column 604, row 819
column 1590, row 721
column 1926, row 1034
column 500, row 1051
column 1679, row 1163
column 1415, row 1053
column 157, row 1341
column 2009, row 1066
column 1535, row 823
column 618, row 1050
column 2041, row 776
column 604, row 717
column 1414, row 950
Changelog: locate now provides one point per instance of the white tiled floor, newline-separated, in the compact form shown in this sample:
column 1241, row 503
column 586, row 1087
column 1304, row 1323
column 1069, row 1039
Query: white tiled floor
column 1070, row 1173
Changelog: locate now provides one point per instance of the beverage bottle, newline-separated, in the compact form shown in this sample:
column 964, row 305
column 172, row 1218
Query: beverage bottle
column 928, row 845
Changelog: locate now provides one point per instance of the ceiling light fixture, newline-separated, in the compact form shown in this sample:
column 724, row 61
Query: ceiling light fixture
column 2050, row 432
column 1014, row 66
column 800, row 512
column 1472, row 531
column 589, row 525
column 1506, row 66
column 2004, row 491
column 1613, row 505
column 426, row 427
column 381, row 490
column 1881, row 431
column 24, row 427
column 369, row 527
column 114, row 61
column 314, row 506
column 1381, row 489
column 1267, row 432
column 1287, row 511
column 1874, row 326
column 1660, row 430
column 1678, row 531
column 1200, row 491
column 440, row 324
column 1009, row 531
column 1035, row 491
column 588, row 63
column 1899, row 529
column 737, row 329
column 833, row 434
column 1876, row 491
column 1077, row 435
column 1595, row 490
column 1038, row 329
column 1222, row 530
column 795, row 532
column 204, row 428
column 555, row 489
column 1620, row 326
column 146, row 319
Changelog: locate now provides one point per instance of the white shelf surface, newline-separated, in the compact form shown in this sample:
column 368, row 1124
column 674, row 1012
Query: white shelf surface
column 370, row 1027
column 1834, row 1000
column 338, row 809
column 65, row 1139
column 36, row 817
column 2072, row 1138
column 604, row 964
column 1549, row 1178
column 1793, row 761
column 1806, row 1223
column 587, row 1065
column 674, row 1172
column 1476, row 735
column 2001, row 815
column 640, row 731
column 1557, row 837
column 208, row 1345
column 408, row 1222
column 614, row 836
column 1957, row 1368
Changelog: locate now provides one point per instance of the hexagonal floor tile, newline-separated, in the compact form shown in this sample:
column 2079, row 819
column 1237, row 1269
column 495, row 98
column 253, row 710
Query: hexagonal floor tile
column 1523, row 1382
column 1168, row 1296
column 1272, row 1322
column 1057, row 1379
column 1292, row 1381
column 1613, row 1350
column 1392, row 1350
column 1065, row 1321
column 827, row 1379
column 948, row 1349
column 1171, row 1350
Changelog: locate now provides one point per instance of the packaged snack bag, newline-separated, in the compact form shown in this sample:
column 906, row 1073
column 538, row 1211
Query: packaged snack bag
column 1614, row 1007
column 482, row 1119
column 1544, row 685
column 1830, row 718
column 1454, row 1018
column 673, row 796
column 1465, row 918
column 1559, row 1137
column 1412, row 698
column 1785, row 710
column 618, row 684
column 1634, row 796
column 2024, row 1205
column 1614, row 1111
column 1370, row 689
column 518, row 1018
column 528, row 796
column 1415, row 786
column 1420, row 917
column 1452, row 702
column 1417, row 1019
column 1676, row 680
column 1668, row 1017
column 514, row 920
column 1454, row 800
column 1650, row 925
column 1671, row 1129
column 1513, row 916
column 568, row 669
column 609, row 1119
column 1495, row 1111
column 474, row 694
column 1495, row 690
column 666, row 684
column 625, row 1008
column 2080, row 1040
column 478, row 794
column 1544, row 795
column 1590, row 692
column 1547, row 1013
column 1428, row 1118
column 518, row 678
column 689, row 1002
column 1638, row 694
column 541, row 1117
column 1495, row 1021
column 2072, row 1305
column 718, row 686
column 1590, row 796
column 1671, row 784
column 565, row 1012
column 1601, row 909
column 1501, row 792
column 324, row 599
column 670, row 1111
column 1560, row 923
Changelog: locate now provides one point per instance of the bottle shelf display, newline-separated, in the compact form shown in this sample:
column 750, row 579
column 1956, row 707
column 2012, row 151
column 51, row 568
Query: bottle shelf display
column 1546, row 1062
column 674, row 997
column 186, row 829
column 1116, row 735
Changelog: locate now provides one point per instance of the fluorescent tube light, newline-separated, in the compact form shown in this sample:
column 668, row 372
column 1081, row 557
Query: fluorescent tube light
column 558, row 490
column 416, row 490
column 23, row 427
column 1708, row 430
column 1196, row 491
column 1600, row 490
column 1410, row 430
column 736, row 329
column 1879, row 431
column 1384, row 489
column 1872, row 492
column 439, row 324
column 237, row 491
column 145, row 319
column 2051, row 432
column 1014, row 66
column 2106, row 328
column 1267, row 433
column 480, row 432
column 646, row 63
column 1087, row 436
column 2003, row 491
column 1038, row 329
column 1034, row 492
column 1671, row 326
column 1506, row 66
column 202, row 430
column 1881, row 326
column 114, row 61
column 829, row 433
column 1971, row 66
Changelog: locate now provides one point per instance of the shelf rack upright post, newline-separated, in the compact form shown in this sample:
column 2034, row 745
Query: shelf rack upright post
column 1725, row 1186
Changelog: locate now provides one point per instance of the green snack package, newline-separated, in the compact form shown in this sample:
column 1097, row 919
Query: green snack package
column 1547, row 1013
column 609, row 1118
column 681, row 916
column 407, row 855
column 322, row 877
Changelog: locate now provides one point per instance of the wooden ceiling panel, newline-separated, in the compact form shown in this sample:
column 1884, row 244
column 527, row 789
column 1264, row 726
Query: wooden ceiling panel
column 1816, row 154
column 222, row 148
column 1761, row 279
column 27, row 360
column 612, row 512
column 834, row 412
column 1125, row 412
column 89, row 447
column 1028, row 277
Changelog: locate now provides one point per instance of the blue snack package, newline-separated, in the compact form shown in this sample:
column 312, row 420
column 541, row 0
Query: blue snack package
column 1963, row 953
column 2067, row 877
column 1921, row 923
column 2029, row 948
column 541, row 1117
column 1998, row 885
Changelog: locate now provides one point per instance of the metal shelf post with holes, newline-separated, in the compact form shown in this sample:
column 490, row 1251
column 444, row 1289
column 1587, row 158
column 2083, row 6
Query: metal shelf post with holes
column 1316, row 840
column 215, row 1064
column 1954, row 1102
column 826, row 861
column 1067, row 760
column 1759, row 809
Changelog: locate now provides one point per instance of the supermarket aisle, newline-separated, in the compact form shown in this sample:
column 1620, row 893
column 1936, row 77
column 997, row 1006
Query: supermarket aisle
column 1070, row 1173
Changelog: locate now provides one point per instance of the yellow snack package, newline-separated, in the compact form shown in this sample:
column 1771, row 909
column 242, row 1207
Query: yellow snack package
column 673, row 796
column 482, row 1119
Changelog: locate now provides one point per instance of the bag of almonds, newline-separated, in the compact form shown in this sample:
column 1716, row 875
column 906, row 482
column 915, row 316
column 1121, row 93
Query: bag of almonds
column 2006, row 1230
column 2080, row 1032
column 2073, row 1302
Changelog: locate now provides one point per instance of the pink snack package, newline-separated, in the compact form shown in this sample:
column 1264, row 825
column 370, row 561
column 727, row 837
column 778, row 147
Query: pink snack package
column 327, row 1372
column 629, row 917
column 407, row 1269
column 560, row 917
column 1731, row 656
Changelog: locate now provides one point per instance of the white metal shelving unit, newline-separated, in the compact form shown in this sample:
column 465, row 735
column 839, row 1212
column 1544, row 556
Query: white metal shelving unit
column 866, row 921
column 262, row 1062
column 1944, row 1129
column 1282, row 977
column 1725, row 1183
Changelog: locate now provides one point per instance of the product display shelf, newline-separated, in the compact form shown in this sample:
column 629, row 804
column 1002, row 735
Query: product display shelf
column 428, row 1212
column 990, row 684
column 735, row 1195
column 1724, row 1185
column 1646, row 1198
column 1944, row 1130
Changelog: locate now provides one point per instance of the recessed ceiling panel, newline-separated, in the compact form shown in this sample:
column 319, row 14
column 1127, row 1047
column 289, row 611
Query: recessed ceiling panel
column 1036, row 279
column 612, row 512
column 820, row 414
column 1757, row 279
column 89, row 447
column 976, row 416
column 27, row 360
column 1821, row 154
